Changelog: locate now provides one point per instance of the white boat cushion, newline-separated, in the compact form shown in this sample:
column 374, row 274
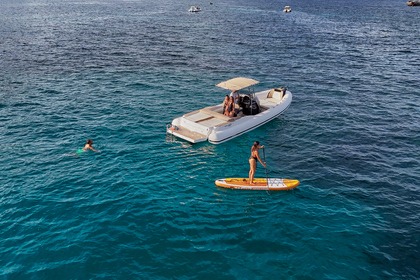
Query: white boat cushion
column 215, row 114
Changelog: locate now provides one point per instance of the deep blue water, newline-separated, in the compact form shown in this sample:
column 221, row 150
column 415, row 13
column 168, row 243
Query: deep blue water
column 146, row 207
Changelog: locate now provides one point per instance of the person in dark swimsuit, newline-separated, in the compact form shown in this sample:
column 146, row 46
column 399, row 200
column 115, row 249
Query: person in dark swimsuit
column 253, row 161
column 230, row 110
column 228, row 107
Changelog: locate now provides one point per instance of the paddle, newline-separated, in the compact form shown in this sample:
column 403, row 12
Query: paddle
column 266, row 176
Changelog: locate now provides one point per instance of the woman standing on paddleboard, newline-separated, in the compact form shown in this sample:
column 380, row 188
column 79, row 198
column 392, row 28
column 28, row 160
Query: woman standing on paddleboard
column 253, row 161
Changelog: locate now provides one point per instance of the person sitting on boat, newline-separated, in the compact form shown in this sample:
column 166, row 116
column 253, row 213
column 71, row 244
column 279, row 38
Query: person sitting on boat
column 230, row 109
column 253, row 161
column 232, row 106
column 225, row 103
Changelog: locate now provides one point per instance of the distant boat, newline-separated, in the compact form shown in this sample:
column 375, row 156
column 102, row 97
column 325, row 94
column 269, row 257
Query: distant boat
column 194, row 9
column 287, row 9
column 413, row 3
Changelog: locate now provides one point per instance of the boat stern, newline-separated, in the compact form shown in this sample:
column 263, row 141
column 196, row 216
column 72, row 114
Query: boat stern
column 181, row 131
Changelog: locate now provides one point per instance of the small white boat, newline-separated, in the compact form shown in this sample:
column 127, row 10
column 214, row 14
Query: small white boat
column 253, row 110
column 413, row 3
column 194, row 9
column 287, row 9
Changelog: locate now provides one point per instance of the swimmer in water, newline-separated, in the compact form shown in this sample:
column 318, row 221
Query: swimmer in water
column 88, row 146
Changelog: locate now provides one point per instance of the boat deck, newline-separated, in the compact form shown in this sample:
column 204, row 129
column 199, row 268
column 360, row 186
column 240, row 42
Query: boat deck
column 191, row 136
column 198, row 117
column 209, row 117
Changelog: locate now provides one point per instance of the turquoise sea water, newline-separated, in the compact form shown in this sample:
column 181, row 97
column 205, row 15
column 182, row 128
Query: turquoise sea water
column 146, row 207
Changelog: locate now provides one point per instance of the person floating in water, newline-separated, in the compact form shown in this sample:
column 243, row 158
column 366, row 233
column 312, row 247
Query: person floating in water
column 253, row 161
column 88, row 146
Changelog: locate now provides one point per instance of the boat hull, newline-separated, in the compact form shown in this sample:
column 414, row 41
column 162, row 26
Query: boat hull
column 246, row 124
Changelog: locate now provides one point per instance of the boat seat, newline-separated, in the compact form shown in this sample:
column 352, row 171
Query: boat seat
column 276, row 93
column 216, row 114
column 196, row 116
column 270, row 93
column 267, row 103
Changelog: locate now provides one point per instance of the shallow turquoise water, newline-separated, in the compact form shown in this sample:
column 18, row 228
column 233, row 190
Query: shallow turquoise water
column 146, row 206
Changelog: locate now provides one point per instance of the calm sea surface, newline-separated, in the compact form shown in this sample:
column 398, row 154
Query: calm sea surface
column 146, row 207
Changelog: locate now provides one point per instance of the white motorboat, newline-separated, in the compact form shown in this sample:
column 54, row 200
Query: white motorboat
column 413, row 3
column 194, row 9
column 287, row 9
column 253, row 110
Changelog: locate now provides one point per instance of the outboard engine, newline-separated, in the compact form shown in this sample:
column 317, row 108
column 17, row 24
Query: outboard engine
column 249, row 106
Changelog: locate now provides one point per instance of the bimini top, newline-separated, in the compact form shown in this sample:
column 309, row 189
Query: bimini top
column 237, row 83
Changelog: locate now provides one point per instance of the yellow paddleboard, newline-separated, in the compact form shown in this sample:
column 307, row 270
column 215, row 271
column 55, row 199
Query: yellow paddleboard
column 261, row 184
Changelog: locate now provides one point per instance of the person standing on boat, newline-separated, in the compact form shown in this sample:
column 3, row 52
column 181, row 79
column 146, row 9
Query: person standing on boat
column 253, row 161
column 235, row 95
